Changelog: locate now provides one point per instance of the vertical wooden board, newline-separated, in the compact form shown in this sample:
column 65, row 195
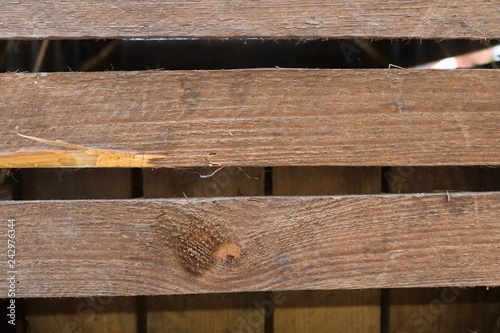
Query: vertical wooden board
column 445, row 310
column 332, row 310
column 101, row 314
column 326, row 180
column 203, row 182
column 48, row 184
column 448, row 309
column 329, row 311
column 432, row 179
column 241, row 312
column 211, row 312
column 90, row 315
column 5, row 186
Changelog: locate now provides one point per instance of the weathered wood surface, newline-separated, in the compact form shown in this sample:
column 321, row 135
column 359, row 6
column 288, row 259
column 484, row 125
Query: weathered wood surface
column 448, row 309
column 89, row 314
column 475, row 19
column 251, row 118
column 173, row 246
column 235, row 312
column 203, row 182
column 321, row 310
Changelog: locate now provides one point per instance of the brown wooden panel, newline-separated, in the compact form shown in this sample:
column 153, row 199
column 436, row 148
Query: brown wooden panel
column 327, row 311
column 326, row 180
column 203, row 182
column 321, row 310
column 251, row 118
column 175, row 246
column 448, row 309
column 440, row 179
column 93, row 314
column 269, row 18
column 5, row 186
column 242, row 312
column 89, row 315
column 445, row 310
column 65, row 184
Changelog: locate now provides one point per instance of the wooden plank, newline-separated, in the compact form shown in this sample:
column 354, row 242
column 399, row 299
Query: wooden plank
column 440, row 179
column 473, row 19
column 251, row 118
column 91, row 314
column 326, row 180
column 447, row 309
column 5, row 185
column 241, row 312
column 320, row 310
column 67, row 184
column 203, row 182
column 175, row 246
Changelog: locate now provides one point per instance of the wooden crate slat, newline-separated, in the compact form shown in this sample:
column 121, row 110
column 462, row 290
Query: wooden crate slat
column 176, row 246
column 473, row 307
column 251, row 118
column 474, row 19
column 208, row 312
column 90, row 315
column 320, row 310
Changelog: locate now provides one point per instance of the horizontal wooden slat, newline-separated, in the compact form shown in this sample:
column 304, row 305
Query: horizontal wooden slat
column 175, row 246
column 251, row 118
column 267, row 18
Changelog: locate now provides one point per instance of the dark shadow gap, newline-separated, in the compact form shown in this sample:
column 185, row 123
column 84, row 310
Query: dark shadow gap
column 189, row 54
column 66, row 183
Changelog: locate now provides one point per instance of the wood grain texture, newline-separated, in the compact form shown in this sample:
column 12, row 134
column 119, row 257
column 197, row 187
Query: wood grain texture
column 205, row 313
column 235, row 312
column 474, row 19
column 326, row 180
column 321, row 310
column 90, row 314
column 68, row 184
column 448, row 309
column 253, row 118
column 203, row 182
column 445, row 310
column 131, row 247
column 347, row 311
column 5, row 185
column 440, row 179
